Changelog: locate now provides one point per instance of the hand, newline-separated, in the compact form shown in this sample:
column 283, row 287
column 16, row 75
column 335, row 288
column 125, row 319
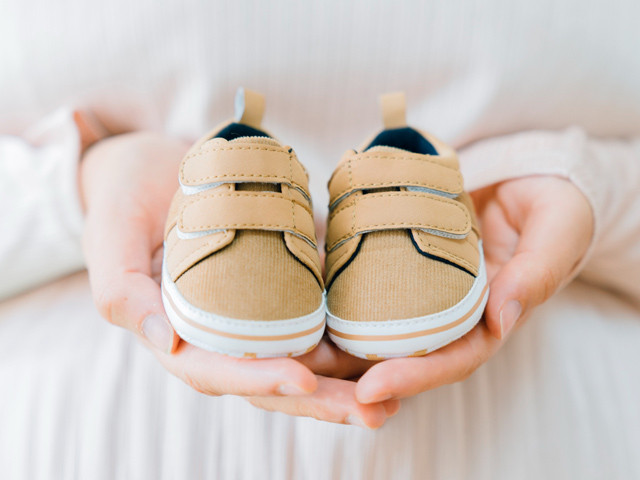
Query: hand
column 535, row 231
column 127, row 183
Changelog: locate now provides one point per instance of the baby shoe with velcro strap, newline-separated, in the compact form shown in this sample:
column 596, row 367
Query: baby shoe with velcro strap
column 405, row 267
column 241, row 272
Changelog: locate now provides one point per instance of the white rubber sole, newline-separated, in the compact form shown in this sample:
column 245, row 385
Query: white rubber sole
column 241, row 338
column 413, row 336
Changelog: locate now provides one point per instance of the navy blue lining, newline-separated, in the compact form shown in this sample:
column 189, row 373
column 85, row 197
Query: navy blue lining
column 300, row 260
column 346, row 264
column 237, row 130
column 439, row 259
column 428, row 255
column 405, row 138
column 287, row 249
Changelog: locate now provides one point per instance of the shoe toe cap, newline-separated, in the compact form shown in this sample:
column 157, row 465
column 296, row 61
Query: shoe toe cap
column 254, row 278
column 390, row 280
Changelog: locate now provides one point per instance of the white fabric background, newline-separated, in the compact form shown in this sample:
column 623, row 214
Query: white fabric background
column 523, row 87
column 81, row 399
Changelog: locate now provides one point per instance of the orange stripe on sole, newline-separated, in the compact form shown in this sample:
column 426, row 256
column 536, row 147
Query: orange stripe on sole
column 239, row 336
column 403, row 336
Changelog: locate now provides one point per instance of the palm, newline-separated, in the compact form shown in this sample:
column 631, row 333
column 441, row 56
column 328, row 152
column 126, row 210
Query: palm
column 499, row 234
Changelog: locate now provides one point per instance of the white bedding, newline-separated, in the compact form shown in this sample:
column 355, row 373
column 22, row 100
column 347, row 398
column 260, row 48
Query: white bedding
column 81, row 399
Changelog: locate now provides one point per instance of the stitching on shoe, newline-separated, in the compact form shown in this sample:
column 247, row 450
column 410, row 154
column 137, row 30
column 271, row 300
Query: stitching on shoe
column 361, row 157
column 403, row 322
column 312, row 264
column 435, row 198
column 199, row 314
column 336, row 261
column 395, row 183
column 226, row 149
column 246, row 194
column 422, row 159
column 443, row 252
column 250, row 175
column 221, row 149
column 293, row 206
column 187, row 262
column 354, row 204
column 401, row 224
column 280, row 178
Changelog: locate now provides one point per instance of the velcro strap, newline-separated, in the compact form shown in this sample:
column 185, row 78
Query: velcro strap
column 371, row 170
column 398, row 210
column 246, row 210
column 243, row 163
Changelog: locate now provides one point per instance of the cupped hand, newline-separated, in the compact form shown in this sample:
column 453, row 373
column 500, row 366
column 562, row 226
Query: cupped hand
column 535, row 232
column 127, row 183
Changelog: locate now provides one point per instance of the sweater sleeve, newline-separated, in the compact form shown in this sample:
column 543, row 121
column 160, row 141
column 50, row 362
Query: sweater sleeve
column 40, row 213
column 606, row 171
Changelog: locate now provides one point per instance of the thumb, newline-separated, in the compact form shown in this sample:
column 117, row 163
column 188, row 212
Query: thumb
column 118, row 254
column 133, row 300
column 551, row 243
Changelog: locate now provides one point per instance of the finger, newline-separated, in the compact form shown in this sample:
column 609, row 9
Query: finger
column 405, row 377
column 328, row 360
column 216, row 374
column 334, row 401
column 391, row 407
column 89, row 127
column 551, row 244
column 118, row 254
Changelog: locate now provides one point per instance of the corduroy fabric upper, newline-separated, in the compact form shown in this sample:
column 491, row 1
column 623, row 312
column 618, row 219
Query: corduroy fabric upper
column 402, row 237
column 244, row 271
column 253, row 278
column 389, row 280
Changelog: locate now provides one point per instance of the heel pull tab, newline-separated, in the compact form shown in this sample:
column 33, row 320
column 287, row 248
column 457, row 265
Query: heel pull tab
column 249, row 106
column 394, row 107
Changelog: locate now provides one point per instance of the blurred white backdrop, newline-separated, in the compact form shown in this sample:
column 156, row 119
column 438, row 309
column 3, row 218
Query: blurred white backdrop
column 80, row 399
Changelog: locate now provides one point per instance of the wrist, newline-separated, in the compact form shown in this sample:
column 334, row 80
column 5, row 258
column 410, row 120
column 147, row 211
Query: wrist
column 90, row 131
column 534, row 153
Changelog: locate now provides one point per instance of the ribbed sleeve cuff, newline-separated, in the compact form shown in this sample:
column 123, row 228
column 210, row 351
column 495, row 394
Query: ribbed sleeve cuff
column 562, row 153
column 60, row 148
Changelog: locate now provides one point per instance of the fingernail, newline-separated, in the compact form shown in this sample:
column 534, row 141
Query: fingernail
column 157, row 330
column 392, row 408
column 382, row 398
column 509, row 314
column 374, row 397
column 291, row 389
column 356, row 421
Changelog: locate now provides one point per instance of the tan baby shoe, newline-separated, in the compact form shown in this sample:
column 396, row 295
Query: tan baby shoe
column 241, row 272
column 405, row 268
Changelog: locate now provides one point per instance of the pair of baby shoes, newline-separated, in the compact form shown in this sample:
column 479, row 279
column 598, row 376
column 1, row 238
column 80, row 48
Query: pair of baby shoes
column 242, row 275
